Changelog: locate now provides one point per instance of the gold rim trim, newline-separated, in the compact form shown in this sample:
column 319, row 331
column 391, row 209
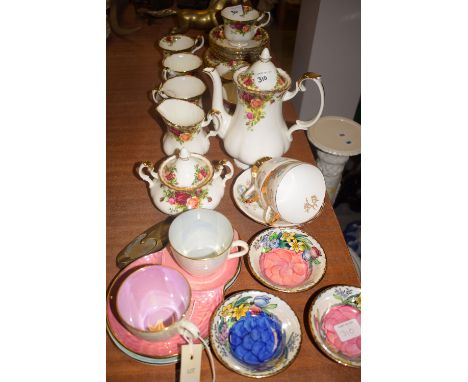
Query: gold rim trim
column 318, row 341
column 220, row 358
column 278, row 91
column 226, row 286
column 191, row 188
column 213, row 42
column 278, row 288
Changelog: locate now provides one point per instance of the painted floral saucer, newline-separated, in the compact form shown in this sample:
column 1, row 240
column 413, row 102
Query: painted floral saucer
column 287, row 259
column 253, row 210
column 335, row 321
column 255, row 334
column 207, row 293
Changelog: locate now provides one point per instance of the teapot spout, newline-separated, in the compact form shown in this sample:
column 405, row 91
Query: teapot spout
column 217, row 102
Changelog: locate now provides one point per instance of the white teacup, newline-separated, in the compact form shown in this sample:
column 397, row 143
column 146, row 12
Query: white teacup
column 180, row 64
column 188, row 88
column 240, row 27
column 179, row 43
column 201, row 241
column 293, row 192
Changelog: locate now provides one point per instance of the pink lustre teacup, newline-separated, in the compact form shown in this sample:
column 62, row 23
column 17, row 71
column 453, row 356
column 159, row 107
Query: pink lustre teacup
column 239, row 24
column 152, row 303
column 201, row 241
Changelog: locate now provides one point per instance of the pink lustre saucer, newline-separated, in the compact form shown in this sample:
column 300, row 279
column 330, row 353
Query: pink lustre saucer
column 207, row 294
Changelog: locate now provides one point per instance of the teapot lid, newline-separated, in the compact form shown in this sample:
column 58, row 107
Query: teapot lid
column 263, row 75
column 185, row 171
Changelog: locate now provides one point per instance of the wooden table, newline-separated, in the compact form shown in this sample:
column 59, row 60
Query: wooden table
column 133, row 135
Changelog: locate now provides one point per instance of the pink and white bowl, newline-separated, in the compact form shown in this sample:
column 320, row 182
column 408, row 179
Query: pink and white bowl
column 207, row 294
column 335, row 322
column 287, row 259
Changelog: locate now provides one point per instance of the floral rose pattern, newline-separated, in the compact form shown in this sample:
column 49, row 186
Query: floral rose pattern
column 181, row 136
column 200, row 174
column 171, row 39
column 185, row 200
column 240, row 27
column 170, row 175
column 287, row 257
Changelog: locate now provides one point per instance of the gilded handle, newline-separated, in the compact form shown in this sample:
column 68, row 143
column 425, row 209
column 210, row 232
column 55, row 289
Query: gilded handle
column 199, row 42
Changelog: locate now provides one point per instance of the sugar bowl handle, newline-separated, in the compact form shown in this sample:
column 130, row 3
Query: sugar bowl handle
column 304, row 125
column 150, row 169
column 229, row 167
column 199, row 42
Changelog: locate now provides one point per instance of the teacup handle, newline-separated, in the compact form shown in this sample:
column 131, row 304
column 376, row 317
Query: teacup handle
column 188, row 329
column 216, row 114
column 264, row 23
column 304, row 125
column 271, row 217
column 242, row 252
column 164, row 74
column 199, row 42
column 150, row 167
column 158, row 93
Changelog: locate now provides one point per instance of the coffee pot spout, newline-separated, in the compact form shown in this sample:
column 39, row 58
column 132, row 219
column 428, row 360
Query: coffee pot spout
column 217, row 102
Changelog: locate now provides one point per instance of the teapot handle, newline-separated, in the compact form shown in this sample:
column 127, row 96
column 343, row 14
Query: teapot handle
column 199, row 42
column 148, row 165
column 304, row 125
column 224, row 164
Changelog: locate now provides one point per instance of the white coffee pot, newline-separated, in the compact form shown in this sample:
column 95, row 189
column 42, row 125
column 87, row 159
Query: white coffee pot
column 257, row 128
column 186, row 181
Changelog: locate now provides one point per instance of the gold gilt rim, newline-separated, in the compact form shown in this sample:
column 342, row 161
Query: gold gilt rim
column 191, row 188
column 213, row 41
column 227, row 285
column 318, row 341
column 278, row 288
column 251, row 375
column 237, row 54
column 166, row 328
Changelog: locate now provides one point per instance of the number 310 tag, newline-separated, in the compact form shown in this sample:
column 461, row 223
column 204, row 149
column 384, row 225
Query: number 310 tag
column 262, row 77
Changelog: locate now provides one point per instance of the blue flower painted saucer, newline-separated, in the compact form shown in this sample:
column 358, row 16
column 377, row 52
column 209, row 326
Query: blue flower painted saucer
column 255, row 334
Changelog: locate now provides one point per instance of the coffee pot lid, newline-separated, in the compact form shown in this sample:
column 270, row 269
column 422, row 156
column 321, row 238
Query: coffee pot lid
column 185, row 171
column 262, row 74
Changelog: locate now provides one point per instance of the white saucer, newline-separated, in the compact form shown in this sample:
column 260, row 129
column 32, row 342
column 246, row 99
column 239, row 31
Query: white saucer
column 252, row 210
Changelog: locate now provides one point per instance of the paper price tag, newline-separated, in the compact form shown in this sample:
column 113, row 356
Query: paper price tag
column 190, row 365
column 262, row 77
column 348, row 330
column 237, row 10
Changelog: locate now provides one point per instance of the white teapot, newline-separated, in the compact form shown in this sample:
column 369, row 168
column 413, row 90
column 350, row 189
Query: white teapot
column 257, row 128
column 186, row 181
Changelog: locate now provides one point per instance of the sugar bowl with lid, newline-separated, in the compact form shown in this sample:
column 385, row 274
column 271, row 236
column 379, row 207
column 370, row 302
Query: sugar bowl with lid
column 186, row 181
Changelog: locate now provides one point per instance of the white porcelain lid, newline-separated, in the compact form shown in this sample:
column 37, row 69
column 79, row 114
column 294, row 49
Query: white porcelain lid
column 262, row 75
column 240, row 13
column 185, row 171
column 176, row 42
column 336, row 135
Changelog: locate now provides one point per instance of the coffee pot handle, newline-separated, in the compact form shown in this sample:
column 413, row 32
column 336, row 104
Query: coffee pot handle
column 150, row 167
column 304, row 125
column 199, row 42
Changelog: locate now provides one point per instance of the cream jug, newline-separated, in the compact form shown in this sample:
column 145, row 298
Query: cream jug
column 257, row 128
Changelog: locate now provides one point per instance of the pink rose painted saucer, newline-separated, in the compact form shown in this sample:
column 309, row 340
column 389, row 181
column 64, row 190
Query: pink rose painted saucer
column 335, row 321
column 287, row 259
column 207, row 294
